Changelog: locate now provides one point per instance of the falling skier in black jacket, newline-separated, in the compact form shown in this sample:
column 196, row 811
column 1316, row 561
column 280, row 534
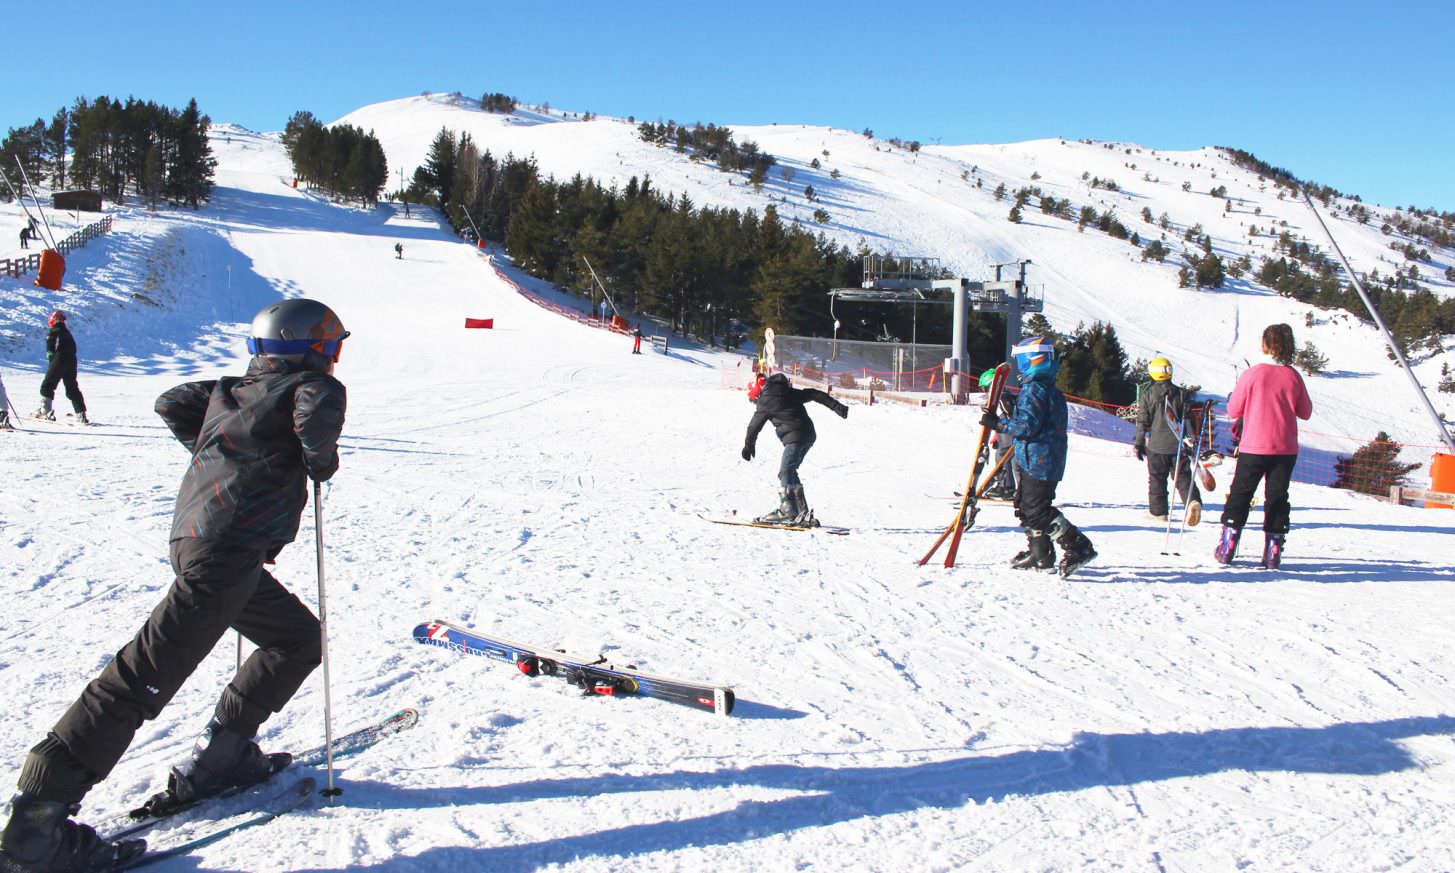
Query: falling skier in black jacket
column 255, row 442
column 779, row 402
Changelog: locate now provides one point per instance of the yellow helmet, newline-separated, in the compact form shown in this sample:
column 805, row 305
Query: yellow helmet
column 1160, row 369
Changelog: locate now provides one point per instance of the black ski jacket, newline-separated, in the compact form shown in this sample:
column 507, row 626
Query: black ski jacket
column 782, row 404
column 255, row 442
column 60, row 346
column 1152, row 429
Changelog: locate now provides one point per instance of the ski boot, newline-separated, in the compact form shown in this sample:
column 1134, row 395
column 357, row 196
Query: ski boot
column 1272, row 551
column 5, row 421
column 81, row 417
column 787, row 509
column 40, row 836
column 45, row 412
column 1227, row 547
column 1039, row 554
column 1076, row 549
column 221, row 760
column 1194, row 512
column 804, row 515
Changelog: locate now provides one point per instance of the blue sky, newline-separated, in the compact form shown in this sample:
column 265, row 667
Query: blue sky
column 1357, row 96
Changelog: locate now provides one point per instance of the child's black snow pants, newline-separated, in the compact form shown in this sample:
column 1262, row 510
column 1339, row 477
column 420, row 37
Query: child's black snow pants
column 217, row 588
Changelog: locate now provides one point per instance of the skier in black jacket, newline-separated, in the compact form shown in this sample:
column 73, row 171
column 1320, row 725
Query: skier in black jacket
column 779, row 402
column 60, row 351
column 1156, row 442
column 255, row 442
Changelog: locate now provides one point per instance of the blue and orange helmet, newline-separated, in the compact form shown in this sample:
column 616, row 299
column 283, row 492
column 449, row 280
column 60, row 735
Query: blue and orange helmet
column 1034, row 355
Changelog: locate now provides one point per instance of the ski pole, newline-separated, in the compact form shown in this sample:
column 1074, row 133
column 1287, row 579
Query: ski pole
column 331, row 792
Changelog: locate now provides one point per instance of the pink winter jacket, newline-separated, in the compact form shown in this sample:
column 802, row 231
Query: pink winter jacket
column 1267, row 398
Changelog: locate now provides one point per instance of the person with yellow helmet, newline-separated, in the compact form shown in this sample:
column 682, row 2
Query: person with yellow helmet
column 1156, row 442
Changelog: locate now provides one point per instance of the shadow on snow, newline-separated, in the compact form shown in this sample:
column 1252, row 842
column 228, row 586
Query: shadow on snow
column 830, row 795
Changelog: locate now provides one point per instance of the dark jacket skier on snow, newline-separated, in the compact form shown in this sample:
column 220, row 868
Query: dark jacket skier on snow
column 60, row 352
column 254, row 441
column 776, row 400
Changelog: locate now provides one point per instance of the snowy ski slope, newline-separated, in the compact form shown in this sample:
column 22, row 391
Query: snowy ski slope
column 1153, row 713
column 891, row 200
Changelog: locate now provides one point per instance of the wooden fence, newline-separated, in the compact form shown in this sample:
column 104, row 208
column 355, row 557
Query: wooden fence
column 17, row 267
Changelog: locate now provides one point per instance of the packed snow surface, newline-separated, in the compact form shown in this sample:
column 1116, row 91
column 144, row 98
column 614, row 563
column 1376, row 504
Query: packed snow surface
column 1154, row 712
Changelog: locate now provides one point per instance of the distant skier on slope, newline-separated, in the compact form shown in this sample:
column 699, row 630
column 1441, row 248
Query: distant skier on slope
column 60, row 352
column 1156, row 443
column 1269, row 399
column 1038, row 424
column 255, row 442
column 779, row 402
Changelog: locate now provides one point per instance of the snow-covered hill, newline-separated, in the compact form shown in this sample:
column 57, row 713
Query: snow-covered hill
column 1155, row 712
column 928, row 204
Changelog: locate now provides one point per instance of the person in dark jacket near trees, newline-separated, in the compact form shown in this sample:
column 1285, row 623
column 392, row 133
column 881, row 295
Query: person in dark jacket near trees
column 1156, row 442
column 255, row 441
column 776, row 400
column 1038, row 425
column 60, row 351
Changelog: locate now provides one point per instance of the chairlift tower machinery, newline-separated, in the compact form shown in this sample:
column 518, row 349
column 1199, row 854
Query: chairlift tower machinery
column 915, row 280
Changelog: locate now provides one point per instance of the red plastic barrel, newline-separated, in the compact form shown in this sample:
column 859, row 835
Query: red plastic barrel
column 52, row 268
column 1442, row 477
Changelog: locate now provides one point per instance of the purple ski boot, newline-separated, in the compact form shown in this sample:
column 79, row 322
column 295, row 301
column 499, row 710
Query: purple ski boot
column 1272, row 551
column 1227, row 546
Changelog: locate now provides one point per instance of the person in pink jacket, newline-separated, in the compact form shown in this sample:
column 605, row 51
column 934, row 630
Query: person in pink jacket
column 1269, row 398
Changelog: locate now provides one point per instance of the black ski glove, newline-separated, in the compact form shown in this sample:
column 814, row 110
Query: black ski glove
column 990, row 420
column 748, row 453
column 841, row 411
column 1139, row 449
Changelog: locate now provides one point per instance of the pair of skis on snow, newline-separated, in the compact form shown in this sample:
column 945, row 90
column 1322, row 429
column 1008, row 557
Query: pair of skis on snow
column 594, row 676
column 246, row 806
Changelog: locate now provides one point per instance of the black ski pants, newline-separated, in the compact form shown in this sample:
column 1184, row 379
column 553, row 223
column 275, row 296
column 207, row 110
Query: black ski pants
column 216, row 588
column 1159, row 467
column 1034, row 499
column 63, row 371
column 793, row 455
column 1275, row 471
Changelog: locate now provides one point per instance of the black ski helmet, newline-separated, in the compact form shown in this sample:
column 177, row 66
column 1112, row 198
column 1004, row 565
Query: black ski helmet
column 301, row 330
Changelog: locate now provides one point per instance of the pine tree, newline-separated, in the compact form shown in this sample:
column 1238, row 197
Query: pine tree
column 1373, row 468
column 1210, row 272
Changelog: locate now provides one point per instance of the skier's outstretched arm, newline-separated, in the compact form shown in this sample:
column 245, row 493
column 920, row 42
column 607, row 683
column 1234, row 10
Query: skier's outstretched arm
column 183, row 409
column 818, row 396
column 318, row 420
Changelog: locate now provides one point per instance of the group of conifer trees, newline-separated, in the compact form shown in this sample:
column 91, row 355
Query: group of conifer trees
column 118, row 148
column 711, row 143
column 700, row 268
column 341, row 159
